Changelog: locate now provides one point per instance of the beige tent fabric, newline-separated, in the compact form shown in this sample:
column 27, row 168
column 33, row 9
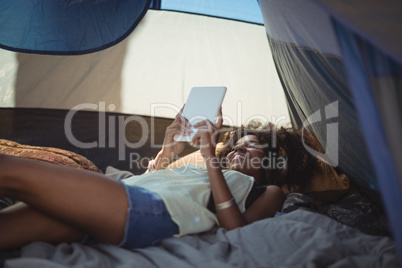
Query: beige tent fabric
column 152, row 71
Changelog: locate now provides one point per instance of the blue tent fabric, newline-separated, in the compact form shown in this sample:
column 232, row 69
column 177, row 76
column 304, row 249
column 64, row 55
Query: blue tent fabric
column 67, row 27
column 321, row 61
column 361, row 71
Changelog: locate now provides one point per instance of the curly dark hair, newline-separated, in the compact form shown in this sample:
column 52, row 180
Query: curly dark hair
column 300, row 164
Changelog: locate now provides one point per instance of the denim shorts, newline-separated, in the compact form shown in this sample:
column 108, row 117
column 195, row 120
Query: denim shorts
column 148, row 220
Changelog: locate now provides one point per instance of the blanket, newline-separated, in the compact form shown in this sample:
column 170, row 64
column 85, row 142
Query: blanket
column 297, row 239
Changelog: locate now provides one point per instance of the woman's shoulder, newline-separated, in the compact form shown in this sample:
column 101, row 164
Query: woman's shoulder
column 276, row 191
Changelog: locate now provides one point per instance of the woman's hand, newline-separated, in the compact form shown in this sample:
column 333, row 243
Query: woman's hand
column 207, row 136
column 170, row 147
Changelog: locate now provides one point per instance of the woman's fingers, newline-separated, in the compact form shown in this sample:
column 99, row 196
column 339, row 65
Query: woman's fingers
column 180, row 125
column 180, row 117
column 181, row 111
column 204, row 140
column 206, row 133
column 219, row 119
column 176, row 129
column 205, row 124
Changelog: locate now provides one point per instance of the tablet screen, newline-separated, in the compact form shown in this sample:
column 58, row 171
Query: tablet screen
column 202, row 103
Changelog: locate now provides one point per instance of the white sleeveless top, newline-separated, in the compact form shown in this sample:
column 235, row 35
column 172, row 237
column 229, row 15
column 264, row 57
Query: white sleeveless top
column 186, row 191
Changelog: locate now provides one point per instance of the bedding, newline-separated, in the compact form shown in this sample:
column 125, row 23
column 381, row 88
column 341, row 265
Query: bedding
column 347, row 233
column 297, row 239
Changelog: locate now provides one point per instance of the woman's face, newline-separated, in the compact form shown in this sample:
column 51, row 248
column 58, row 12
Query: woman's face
column 246, row 157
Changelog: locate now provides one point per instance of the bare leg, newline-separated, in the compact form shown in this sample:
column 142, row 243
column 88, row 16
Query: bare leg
column 20, row 225
column 84, row 200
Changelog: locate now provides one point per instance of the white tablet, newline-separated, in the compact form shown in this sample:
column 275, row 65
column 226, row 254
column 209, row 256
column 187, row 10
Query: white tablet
column 202, row 103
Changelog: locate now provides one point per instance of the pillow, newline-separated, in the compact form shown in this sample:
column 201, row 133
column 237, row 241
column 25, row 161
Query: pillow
column 117, row 174
column 47, row 154
column 326, row 185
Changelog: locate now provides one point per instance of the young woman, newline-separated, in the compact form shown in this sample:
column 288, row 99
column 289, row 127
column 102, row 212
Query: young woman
column 62, row 204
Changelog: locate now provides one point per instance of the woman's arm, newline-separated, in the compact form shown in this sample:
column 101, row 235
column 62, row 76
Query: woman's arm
column 170, row 147
column 207, row 138
column 228, row 213
column 230, row 217
column 265, row 206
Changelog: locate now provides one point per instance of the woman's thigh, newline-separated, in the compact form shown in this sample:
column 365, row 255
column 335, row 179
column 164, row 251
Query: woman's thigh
column 20, row 225
column 85, row 200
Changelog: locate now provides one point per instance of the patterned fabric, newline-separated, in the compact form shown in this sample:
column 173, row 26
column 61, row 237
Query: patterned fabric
column 6, row 202
column 297, row 201
column 354, row 210
column 44, row 154
column 47, row 154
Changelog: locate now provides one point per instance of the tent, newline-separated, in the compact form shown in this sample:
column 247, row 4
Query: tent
column 331, row 67
column 146, row 72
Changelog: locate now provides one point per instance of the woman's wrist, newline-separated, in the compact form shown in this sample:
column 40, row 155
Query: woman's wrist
column 162, row 160
column 212, row 162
